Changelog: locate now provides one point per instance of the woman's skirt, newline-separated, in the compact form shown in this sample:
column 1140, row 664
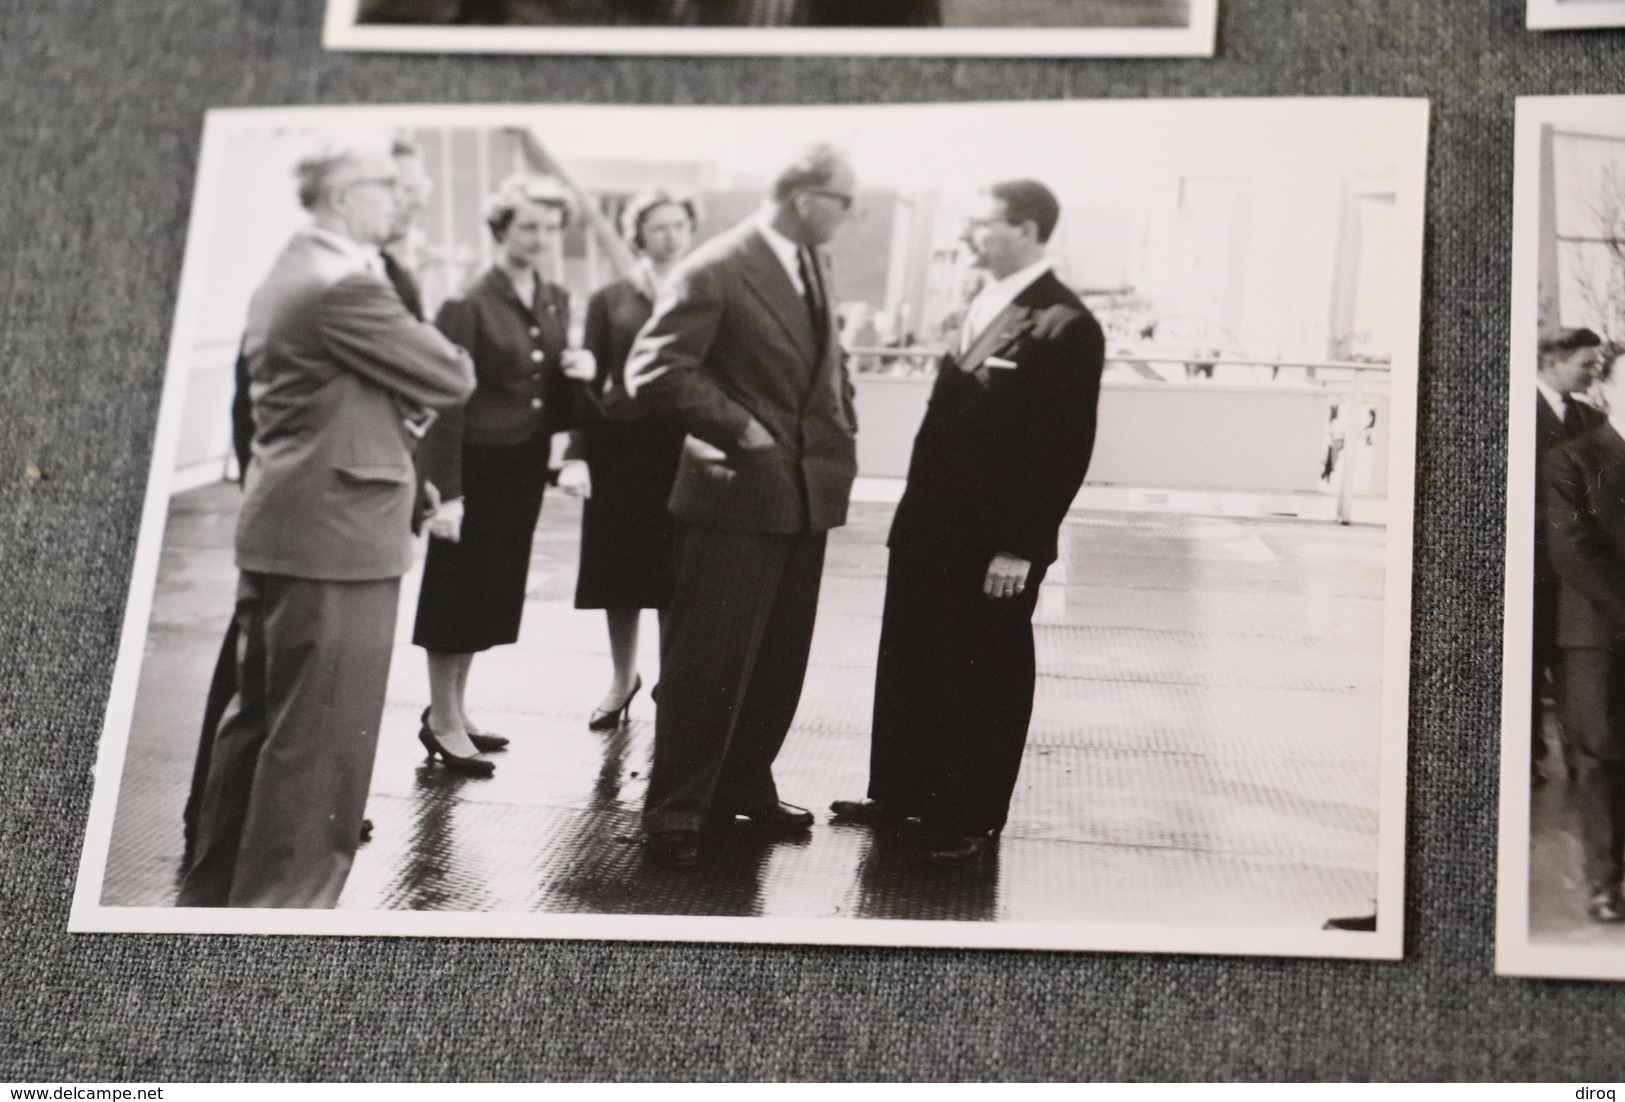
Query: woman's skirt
column 474, row 590
column 626, row 551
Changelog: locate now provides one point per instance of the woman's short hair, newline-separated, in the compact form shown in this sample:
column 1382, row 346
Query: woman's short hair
column 504, row 203
column 645, row 203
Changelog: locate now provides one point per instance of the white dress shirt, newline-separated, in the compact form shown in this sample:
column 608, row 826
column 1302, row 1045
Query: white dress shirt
column 1554, row 398
column 788, row 252
column 996, row 297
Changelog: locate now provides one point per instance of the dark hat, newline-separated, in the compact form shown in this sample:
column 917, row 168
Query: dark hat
column 1569, row 340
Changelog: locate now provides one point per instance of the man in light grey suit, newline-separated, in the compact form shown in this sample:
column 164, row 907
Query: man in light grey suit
column 339, row 373
column 742, row 354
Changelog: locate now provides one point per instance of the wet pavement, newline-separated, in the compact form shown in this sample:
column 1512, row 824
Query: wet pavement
column 1557, row 884
column 1204, row 746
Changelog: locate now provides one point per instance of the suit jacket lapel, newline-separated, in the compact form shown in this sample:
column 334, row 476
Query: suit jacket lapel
column 1009, row 324
column 543, row 311
column 771, row 283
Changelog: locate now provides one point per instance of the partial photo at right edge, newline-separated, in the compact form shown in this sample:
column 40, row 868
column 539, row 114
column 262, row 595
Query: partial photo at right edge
column 1560, row 903
column 1556, row 15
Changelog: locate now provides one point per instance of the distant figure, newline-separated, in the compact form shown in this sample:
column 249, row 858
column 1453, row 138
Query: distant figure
column 1001, row 453
column 338, row 368
column 489, row 461
column 1568, row 361
column 626, row 531
column 1585, row 532
column 742, row 354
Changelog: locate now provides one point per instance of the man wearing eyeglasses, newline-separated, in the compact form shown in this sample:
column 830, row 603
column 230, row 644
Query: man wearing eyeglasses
column 412, row 191
column 1001, row 453
column 742, row 353
column 335, row 359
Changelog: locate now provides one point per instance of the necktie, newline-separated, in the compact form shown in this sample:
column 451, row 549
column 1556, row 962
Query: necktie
column 1572, row 425
column 813, row 292
column 404, row 285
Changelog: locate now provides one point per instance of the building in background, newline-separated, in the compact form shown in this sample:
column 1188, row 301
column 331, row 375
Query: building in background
column 1242, row 294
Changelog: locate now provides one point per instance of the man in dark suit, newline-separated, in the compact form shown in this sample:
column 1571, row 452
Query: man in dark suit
column 411, row 195
column 742, row 354
column 998, row 459
column 1567, row 361
column 322, row 541
column 1584, row 486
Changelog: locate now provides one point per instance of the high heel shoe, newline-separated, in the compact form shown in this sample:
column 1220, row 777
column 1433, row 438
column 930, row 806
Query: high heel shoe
column 483, row 743
column 602, row 720
column 473, row 766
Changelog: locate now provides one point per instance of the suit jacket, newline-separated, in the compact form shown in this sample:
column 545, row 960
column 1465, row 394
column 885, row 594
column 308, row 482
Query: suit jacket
column 332, row 354
column 520, row 390
column 1549, row 436
column 1002, row 451
column 1585, row 515
column 730, row 339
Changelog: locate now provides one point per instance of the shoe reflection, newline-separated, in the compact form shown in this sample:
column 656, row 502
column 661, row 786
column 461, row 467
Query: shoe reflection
column 895, row 881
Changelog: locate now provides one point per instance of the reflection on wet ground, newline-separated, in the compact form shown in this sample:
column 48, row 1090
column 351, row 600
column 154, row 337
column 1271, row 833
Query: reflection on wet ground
column 1204, row 746
column 1557, row 883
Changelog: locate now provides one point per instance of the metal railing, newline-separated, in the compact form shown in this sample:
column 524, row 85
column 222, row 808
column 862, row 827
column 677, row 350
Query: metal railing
column 1356, row 388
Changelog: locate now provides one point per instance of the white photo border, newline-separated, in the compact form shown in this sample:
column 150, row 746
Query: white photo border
column 1555, row 15
column 1406, row 119
column 341, row 31
column 1515, row 955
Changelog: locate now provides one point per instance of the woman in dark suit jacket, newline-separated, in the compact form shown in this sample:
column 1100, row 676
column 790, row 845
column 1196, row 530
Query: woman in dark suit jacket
column 489, row 460
column 625, row 528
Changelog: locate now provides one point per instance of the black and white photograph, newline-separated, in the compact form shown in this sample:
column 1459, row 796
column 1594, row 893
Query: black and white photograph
column 1561, row 908
column 976, row 28
column 770, row 524
column 1552, row 15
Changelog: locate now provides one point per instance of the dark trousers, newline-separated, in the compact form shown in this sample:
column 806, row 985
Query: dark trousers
column 733, row 655
column 953, row 691
column 222, row 689
column 279, row 817
column 1547, row 656
column 1594, row 724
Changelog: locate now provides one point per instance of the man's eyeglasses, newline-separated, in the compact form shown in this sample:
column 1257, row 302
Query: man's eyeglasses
column 391, row 183
column 840, row 198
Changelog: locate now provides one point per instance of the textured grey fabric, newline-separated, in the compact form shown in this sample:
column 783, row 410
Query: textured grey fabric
column 100, row 110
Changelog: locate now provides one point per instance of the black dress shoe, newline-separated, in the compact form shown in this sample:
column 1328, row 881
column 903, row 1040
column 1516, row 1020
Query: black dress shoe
column 678, row 848
column 602, row 720
column 470, row 765
column 963, row 850
column 485, row 743
column 1606, row 905
column 868, row 812
column 482, row 742
column 779, row 816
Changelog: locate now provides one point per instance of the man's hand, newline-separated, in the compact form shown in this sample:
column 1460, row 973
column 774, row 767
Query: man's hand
column 755, row 437
column 575, row 479
column 579, row 364
column 1006, row 576
column 447, row 521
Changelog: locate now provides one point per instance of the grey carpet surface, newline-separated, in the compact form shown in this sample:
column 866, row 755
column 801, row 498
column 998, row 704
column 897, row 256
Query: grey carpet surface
column 100, row 111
